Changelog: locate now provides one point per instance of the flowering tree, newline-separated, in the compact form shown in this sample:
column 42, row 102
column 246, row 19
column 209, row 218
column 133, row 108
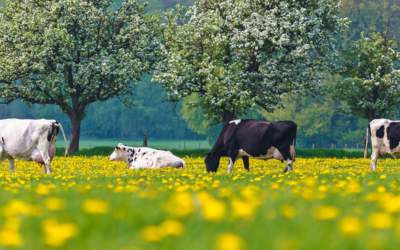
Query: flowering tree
column 74, row 53
column 236, row 54
column 371, row 85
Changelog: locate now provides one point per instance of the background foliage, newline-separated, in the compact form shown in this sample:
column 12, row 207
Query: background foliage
column 316, row 117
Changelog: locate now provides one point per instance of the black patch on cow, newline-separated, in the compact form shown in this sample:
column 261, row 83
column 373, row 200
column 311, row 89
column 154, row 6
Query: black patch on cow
column 130, row 160
column 144, row 153
column 131, row 155
column 393, row 134
column 255, row 137
column 135, row 159
column 2, row 138
column 380, row 132
column 124, row 149
column 139, row 150
column 54, row 132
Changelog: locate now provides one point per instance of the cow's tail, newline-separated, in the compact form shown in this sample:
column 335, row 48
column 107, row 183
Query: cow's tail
column 66, row 145
column 366, row 142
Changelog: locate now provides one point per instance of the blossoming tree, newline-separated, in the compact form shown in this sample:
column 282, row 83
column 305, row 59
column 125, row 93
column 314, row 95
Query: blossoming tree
column 234, row 54
column 371, row 84
column 74, row 53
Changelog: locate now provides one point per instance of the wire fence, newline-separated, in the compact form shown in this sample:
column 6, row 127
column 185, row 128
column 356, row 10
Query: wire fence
column 308, row 144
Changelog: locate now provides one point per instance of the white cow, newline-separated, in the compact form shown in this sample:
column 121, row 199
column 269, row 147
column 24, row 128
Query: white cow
column 30, row 140
column 385, row 139
column 143, row 157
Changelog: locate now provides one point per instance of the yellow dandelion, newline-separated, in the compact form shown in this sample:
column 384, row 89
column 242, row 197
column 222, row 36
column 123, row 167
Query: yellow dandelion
column 380, row 220
column 350, row 226
column 94, row 206
column 54, row 204
column 229, row 241
column 325, row 213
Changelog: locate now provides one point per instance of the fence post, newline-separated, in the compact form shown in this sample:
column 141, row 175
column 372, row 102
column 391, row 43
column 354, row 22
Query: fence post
column 144, row 140
column 179, row 146
column 345, row 147
column 199, row 145
column 332, row 145
column 183, row 145
column 357, row 146
column 313, row 146
column 90, row 145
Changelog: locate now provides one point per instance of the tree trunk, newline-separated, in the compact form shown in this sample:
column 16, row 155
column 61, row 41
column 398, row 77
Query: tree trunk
column 227, row 117
column 76, row 120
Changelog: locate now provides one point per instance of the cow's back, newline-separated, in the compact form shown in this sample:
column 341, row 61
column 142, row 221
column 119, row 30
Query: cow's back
column 19, row 136
column 257, row 136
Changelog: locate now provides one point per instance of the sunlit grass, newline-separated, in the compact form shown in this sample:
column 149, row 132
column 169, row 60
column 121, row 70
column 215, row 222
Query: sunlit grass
column 92, row 203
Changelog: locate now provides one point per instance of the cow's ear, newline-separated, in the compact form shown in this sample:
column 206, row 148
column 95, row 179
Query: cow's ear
column 208, row 154
column 117, row 148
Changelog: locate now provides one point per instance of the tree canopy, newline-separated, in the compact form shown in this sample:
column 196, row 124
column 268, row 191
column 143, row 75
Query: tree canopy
column 371, row 85
column 238, row 54
column 74, row 53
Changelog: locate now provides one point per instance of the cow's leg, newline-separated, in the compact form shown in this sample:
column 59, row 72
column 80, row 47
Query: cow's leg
column 1, row 151
column 231, row 163
column 246, row 162
column 11, row 164
column 155, row 163
column 289, row 166
column 47, row 160
column 374, row 156
column 43, row 147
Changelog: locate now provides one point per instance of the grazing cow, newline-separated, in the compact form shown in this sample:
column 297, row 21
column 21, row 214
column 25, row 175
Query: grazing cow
column 385, row 139
column 256, row 139
column 143, row 157
column 30, row 140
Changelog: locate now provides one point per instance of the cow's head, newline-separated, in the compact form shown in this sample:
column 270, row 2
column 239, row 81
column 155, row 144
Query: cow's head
column 119, row 153
column 212, row 162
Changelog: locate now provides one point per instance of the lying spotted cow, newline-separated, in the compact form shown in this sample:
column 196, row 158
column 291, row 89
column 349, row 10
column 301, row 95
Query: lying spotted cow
column 256, row 139
column 385, row 139
column 30, row 140
column 143, row 157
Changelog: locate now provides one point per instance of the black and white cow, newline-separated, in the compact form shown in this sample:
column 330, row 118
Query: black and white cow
column 256, row 139
column 385, row 139
column 30, row 140
column 143, row 157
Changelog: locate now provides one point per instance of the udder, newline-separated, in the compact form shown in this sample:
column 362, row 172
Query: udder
column 37, row 156
column 383, row 152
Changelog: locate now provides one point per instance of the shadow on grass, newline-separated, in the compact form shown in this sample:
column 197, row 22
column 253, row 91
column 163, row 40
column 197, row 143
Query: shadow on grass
column 301, row 153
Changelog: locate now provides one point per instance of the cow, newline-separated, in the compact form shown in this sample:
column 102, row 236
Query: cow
column 143, row 157
column 385, row 139
column 256, row 139
column 30, row 140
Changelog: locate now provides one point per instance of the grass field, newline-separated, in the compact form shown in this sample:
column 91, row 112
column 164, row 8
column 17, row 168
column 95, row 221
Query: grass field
column 303, row 153
column 91, row 203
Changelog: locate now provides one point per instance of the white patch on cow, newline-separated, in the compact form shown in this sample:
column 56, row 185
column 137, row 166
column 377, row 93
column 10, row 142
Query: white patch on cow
column 236, row 121
column 381, row 146
column 27, row 140
column 230, row 166
column 146, row 158
column 271, row 153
